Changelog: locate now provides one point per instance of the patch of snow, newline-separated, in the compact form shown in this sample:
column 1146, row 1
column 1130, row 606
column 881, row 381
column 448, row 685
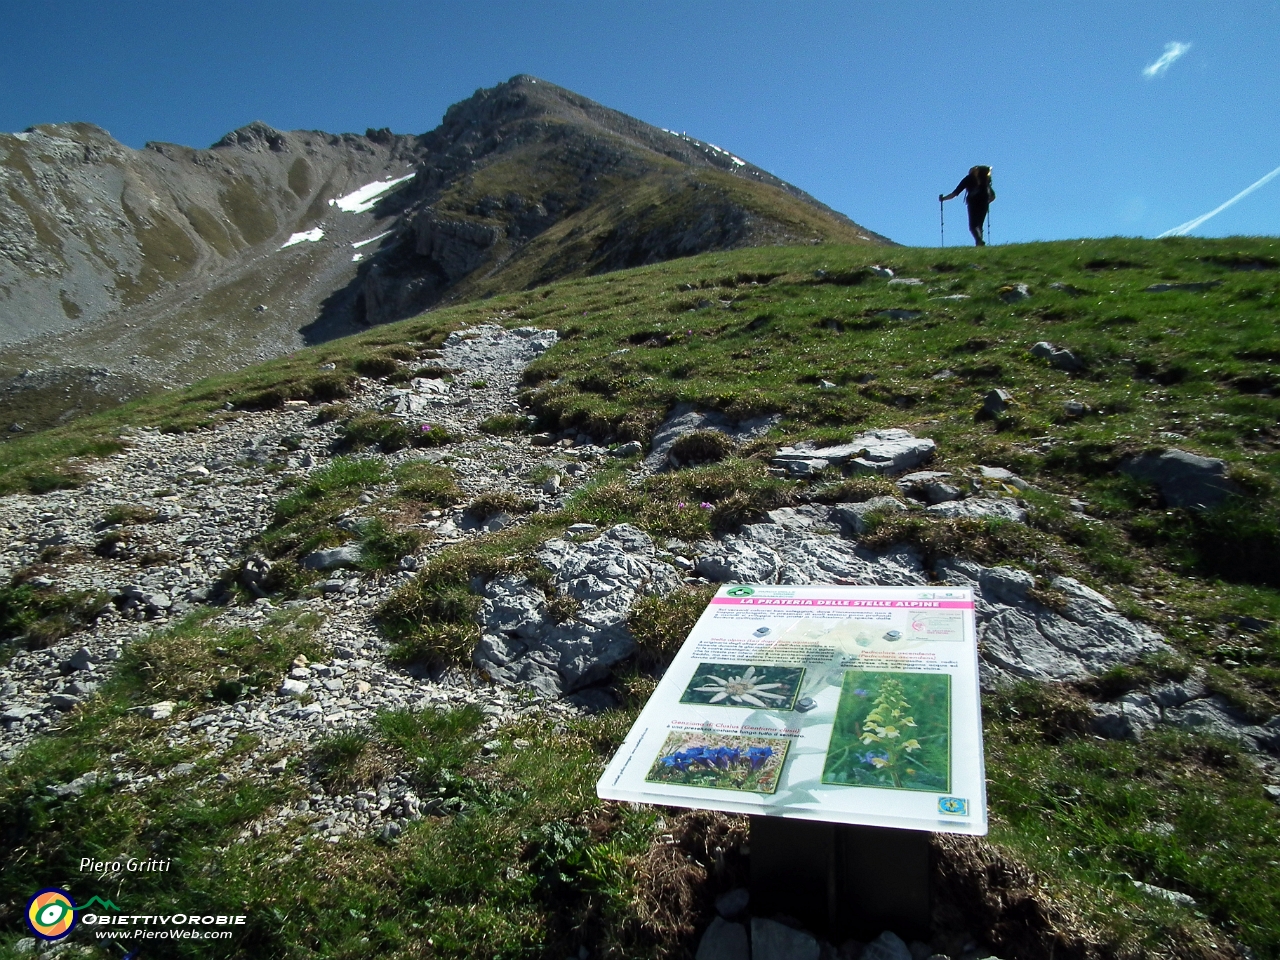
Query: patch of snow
column 307, row 236
column 357, row 257
column 364, row 243
column 740, row 163
column 23, row 136
column 363, row 199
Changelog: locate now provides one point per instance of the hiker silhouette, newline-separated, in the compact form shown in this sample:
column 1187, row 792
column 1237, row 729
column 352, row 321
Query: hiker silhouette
column 978, row 195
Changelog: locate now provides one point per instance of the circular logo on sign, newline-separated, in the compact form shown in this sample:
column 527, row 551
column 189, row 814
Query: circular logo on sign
column 51, row 914
column 739, row 591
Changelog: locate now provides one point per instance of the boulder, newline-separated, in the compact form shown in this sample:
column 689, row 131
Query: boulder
column 1161, row 893
column 82, row 659
column 996, row 402
column 856, row 516
column 348, row 555
column 160, row 711
column 887, row 946
column 723, row 941
column 771, row 940
column 1000, row 477
column 980, row 508
column 1184, row 479
column 1021, row 638
column 16, row 714
column 1127, row 718
column 929, row 486
column 1059, row 357
column 521, row 643
column 1015, row 293
column 293, row 688
column 739, row 562
column 1213, row 715
column 808, row 556
column 686, row 418
column 888, row 452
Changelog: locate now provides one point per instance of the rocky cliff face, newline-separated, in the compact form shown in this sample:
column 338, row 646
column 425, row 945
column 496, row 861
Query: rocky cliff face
column 136, row 268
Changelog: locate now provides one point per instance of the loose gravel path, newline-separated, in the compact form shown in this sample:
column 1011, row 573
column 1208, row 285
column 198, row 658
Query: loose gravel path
column 213, row 492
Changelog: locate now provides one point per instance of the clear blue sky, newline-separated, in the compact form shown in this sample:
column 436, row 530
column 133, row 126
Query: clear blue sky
column 874, row 108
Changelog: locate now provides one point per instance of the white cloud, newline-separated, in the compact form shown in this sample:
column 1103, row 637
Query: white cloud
column 1173, row 51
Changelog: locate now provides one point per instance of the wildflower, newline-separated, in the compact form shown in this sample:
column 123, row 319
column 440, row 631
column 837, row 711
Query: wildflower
column 680, row 505
column 706, row 506
column 426, row 428
column 757, row 756
column 742, row 689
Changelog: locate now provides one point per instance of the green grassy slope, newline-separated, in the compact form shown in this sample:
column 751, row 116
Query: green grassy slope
column 757, row 331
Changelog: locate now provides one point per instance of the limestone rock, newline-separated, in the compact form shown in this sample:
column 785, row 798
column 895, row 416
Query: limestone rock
column 808, row 557
column 736, row 562
column 348, row 555
column 723, row 941
column 929, row 486
column 771, row 940
column 980, row 508
column 1172, row 896
column 1184, row 479
column 1059, row 357
column 1215, row 716
column 855, row 516
column 521, row 644
column 686, row 418
column 887, row 452
column 161, row 711
column 887, row 946
column 996, row 402
column 1127, row 718
column 1022, row 638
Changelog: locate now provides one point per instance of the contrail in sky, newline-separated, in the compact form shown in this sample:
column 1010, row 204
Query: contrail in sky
column 1183, row 229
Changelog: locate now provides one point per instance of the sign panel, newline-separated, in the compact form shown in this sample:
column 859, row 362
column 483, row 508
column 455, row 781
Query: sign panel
column 844, row 704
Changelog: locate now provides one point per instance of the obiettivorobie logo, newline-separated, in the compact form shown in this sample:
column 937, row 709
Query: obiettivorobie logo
column 51, row 913
column 739, row 591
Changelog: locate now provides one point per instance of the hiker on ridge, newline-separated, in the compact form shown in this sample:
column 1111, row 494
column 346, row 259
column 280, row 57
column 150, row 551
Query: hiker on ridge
column 978, row 195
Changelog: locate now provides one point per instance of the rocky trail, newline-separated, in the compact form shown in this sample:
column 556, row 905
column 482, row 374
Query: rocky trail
column 213, row 492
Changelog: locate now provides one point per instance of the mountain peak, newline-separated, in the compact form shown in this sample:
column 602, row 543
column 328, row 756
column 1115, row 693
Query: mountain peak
column 256, row 135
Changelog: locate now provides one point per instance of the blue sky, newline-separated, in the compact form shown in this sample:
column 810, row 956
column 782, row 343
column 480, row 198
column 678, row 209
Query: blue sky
column 874, row 108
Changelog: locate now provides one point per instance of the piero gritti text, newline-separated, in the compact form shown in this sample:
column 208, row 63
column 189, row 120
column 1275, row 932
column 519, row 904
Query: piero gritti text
column 130, row 865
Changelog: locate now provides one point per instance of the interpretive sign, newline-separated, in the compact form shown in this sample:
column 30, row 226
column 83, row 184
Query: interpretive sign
column 854, row 705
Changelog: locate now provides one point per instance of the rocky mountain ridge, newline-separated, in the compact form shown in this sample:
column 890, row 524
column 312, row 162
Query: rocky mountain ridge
column 122, row 270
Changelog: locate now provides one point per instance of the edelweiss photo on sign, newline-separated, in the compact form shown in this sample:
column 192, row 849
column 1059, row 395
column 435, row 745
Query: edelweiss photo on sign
column 741, row 685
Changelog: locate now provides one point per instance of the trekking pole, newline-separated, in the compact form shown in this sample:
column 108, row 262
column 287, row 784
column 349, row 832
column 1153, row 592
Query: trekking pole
column 988, row 225
column 942, row 223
